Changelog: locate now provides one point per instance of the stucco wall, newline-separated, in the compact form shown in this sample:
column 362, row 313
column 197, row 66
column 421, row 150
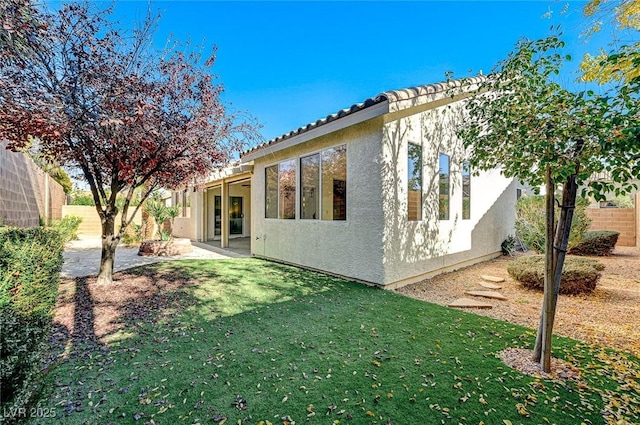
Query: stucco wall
column 26, row 192
column 184, row 227
column 417, row 249
column 351, row 248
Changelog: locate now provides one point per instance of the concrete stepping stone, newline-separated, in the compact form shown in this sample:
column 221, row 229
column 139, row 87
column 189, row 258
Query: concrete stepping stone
column 490, row 285
column 493, row 279
column 487, row 294
column 468, row 303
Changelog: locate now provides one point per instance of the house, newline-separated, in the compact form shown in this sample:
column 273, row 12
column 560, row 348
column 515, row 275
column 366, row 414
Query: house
column 379, row 192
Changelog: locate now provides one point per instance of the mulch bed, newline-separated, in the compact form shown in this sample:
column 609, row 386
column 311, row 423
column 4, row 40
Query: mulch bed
column 608, row 316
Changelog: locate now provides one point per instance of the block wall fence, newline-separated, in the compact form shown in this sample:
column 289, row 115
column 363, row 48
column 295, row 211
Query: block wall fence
column 90, row 225
column 26, row 192
column 623, row 220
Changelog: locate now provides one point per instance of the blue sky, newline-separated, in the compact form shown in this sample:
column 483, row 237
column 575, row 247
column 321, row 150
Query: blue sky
column 291, row 63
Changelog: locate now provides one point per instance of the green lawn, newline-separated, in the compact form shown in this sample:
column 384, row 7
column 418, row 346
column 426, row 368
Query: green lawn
column 255, row 342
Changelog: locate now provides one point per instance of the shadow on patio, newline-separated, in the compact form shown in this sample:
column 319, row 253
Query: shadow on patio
column 238, row 247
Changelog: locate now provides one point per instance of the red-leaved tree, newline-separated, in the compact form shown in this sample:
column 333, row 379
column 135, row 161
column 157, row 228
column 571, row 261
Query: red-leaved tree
column 95, row 98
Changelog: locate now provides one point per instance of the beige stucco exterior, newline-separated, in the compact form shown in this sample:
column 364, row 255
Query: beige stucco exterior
column 377, row 243
column 414, row 250
column 351, row 248
column 229, row 184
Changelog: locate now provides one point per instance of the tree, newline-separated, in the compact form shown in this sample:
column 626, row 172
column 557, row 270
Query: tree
column 18, row 26
column 534, row 129
column 623, row 16
column 97, row 99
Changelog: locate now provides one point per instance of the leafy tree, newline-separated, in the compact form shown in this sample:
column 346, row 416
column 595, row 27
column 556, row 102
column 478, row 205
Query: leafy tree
column 18, row 26
column 96, row 98
column 529, row 125
column 624, row 17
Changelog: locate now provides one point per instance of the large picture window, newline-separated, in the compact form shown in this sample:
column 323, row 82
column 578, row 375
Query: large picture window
column 287, row 192
column 310, row 187
column 414, row 182
column 334, row 183
column 466, row 191
column 323, row 186
column 271, row 192
column 444, row 177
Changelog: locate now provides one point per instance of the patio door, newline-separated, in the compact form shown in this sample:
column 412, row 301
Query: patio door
column 217, row 212
column 236, row 216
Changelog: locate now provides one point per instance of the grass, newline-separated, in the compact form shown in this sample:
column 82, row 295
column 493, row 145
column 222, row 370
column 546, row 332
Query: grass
column 257, row 343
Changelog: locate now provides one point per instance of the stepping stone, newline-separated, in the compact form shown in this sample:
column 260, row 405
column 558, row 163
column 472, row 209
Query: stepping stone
column 487, row 294
column 469, row 303
column 489, row 285
column 493, row 279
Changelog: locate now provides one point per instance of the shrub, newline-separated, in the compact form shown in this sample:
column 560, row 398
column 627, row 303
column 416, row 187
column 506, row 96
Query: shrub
column 30, row 263
column 132, row 234
column 82, row 198
column 68, row 227
column 508, row 245
column 599, row 243
column 579, row 275
column 531, row 222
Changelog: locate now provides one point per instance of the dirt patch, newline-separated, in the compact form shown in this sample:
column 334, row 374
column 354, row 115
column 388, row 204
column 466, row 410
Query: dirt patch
column 608, row 316
column 89, row 314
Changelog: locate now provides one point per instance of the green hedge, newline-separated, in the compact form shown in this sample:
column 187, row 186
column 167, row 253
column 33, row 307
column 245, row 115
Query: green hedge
column 30, row 263
column 68, row 227
column 598, row 243
column 579, row 275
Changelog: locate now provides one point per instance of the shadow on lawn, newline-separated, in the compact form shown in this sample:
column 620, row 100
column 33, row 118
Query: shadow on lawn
column 140, row 298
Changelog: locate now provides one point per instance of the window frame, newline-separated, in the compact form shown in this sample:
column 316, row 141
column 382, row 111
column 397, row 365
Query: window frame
column 419, row 213
column 297, row 160
column 322, row 151
column 318, row 201
column 266, row 209
column 465, row 171
column 444, row 215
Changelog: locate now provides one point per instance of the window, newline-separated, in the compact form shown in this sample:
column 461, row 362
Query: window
column 466, row 191
column 414, row 182
column 271, row 192
column 287, row 194
column 310, row 184
column 443, row 202
column 334, row 183
column 323, row 183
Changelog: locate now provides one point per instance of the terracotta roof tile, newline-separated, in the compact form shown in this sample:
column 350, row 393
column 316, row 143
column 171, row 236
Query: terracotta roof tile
column 388, row 96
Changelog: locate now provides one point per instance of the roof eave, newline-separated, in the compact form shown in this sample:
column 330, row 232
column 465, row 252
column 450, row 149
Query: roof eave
column 349, row 120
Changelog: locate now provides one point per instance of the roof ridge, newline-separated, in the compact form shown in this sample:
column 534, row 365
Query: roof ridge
column 411, row 92
column 387, row 96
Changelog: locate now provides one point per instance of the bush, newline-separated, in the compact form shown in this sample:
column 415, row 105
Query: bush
column 68, row 227
column 579, row 275
column 508, row 245
column 599, row 243
column 30, row 263
column 531, row 222
column 81, row 198
column 132, row 234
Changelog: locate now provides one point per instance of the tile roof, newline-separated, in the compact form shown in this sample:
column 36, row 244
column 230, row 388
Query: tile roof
column 388, row 96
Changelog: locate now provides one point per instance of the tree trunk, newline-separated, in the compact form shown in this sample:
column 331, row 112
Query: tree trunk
column 109, row 245
column 543, row 325
column 561, row 242
column 554, row 264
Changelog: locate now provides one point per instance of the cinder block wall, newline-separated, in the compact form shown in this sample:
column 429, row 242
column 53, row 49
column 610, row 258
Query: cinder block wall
column 621, row 220
column 90, row 225
column 26, row 192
